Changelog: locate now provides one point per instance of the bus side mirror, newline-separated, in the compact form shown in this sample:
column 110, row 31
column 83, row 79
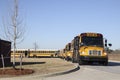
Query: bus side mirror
column 105, row 45
column 105, row 42
column 110, row 44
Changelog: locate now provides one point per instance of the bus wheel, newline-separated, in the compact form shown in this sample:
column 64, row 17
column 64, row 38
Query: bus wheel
column 73, row 61
column 80, row 62
column 105, row 63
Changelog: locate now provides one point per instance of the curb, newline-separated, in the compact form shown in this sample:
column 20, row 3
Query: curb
column 63, row 72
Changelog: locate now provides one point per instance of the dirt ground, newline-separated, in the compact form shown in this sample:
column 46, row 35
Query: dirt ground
column 114, row 56
column 39, row 66
column 15, row 72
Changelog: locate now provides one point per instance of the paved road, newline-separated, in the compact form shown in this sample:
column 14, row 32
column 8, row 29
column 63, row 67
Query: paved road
column 93, row 72
column 86, row 72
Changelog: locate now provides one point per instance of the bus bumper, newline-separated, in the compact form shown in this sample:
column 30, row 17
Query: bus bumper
column 94, row 58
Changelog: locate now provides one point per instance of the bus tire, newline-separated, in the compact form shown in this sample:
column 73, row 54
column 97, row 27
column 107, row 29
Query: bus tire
column 80, row 62
column 105, row 63
column 73, row 61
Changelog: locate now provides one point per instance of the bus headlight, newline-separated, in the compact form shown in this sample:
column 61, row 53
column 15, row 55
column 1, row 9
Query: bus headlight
column 105, row 53
column 68, row 54
column 83, row 52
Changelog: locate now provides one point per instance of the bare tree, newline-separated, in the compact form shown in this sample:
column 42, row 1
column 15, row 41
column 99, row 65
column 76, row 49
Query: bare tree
column 15, row 28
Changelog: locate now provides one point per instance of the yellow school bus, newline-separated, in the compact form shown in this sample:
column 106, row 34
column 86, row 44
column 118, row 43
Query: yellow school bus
column 89, row 47
column 34, row 53
column 60, row 53
column 68, row 52
column 42, row 53
column 18, row 53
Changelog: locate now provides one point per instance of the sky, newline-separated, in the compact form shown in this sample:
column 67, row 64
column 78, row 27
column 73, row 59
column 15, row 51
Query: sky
column 51, row 24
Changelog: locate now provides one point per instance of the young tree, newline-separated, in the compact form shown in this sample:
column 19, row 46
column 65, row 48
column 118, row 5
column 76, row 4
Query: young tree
column 14, row 30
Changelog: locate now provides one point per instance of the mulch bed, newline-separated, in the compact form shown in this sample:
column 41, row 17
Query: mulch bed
column 15, row 72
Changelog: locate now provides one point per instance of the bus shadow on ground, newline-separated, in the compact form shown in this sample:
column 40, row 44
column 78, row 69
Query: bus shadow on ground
column 97, row 64
column 113, row 64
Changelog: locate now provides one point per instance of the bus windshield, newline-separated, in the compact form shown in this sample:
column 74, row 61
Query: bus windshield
column 92, row 41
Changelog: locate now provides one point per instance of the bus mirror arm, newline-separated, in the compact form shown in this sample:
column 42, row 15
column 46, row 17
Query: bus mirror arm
column 105, row 45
